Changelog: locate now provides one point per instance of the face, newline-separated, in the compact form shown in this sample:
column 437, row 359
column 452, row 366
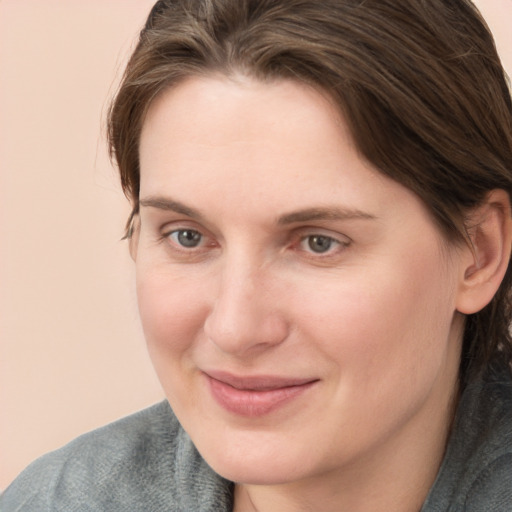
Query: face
column 299, row 307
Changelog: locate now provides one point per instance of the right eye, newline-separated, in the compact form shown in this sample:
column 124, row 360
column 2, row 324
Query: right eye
column 186, row 238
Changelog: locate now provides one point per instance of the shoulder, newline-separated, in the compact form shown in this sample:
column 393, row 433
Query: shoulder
column 143, row 462
column 476, row 474
column 491, row 486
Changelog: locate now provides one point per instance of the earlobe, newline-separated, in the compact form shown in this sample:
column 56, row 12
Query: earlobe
column 488, row 252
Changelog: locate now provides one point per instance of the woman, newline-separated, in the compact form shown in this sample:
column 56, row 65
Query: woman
column 321, row 230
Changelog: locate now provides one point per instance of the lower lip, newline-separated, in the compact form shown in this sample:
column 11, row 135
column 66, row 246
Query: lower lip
column 253, row 403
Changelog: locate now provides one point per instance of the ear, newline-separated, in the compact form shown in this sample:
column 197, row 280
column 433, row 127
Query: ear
column 489, row 228
column 133, row 236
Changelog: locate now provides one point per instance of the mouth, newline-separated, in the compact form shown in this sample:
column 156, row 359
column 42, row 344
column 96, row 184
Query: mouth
column 256, row 395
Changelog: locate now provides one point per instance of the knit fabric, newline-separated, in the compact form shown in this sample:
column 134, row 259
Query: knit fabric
column 142, row 463
column 476, row 473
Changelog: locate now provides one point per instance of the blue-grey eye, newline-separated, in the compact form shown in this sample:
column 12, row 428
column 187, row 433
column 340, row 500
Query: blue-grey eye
column 187, row 237
column 320, row 243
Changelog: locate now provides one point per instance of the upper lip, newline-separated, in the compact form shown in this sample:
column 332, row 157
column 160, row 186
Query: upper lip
column 257, row 382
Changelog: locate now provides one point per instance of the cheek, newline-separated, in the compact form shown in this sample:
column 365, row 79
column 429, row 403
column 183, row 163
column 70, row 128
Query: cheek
column 385, row 323
column 171, row 312
column 172, row 319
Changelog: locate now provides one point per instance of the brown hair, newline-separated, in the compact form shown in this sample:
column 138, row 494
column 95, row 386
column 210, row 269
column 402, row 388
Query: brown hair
column 419, row 83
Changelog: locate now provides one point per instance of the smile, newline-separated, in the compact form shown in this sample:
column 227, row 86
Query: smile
column 255, row 396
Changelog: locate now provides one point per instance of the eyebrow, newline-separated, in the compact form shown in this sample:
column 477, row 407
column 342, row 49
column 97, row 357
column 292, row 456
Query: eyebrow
column 306, row 215
column 163, row 203
column 327, row 213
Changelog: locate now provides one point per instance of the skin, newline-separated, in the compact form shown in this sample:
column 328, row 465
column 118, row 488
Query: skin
column 253, row 173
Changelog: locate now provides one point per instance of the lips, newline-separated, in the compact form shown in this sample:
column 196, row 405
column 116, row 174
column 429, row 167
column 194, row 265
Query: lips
column 255, row 396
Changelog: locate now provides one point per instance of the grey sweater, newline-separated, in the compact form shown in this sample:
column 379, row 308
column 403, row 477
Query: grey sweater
column 147, row 463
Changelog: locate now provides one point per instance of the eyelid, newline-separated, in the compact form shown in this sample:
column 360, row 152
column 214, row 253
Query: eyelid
column 305, row 232
column 181, row 225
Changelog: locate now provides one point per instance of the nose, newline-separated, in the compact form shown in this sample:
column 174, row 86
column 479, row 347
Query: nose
column 245, row 317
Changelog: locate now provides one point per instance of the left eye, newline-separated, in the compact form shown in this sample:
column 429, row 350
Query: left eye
column 319, row 244
column 188, row 238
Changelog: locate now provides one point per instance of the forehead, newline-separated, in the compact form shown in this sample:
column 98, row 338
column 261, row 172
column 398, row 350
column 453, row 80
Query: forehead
column 212, row 110
column 264, row 148
column 246, row 123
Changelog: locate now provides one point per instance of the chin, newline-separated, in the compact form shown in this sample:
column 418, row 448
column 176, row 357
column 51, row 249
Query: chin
column 261, row 474
column 257, row 466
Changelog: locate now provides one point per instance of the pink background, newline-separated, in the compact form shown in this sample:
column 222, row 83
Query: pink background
column 72, row 355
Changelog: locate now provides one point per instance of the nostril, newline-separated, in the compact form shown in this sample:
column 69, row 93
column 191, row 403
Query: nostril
column 244, row 331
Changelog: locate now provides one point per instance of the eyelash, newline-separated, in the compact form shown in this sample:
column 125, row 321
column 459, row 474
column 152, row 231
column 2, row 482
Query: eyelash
column 334, row 245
